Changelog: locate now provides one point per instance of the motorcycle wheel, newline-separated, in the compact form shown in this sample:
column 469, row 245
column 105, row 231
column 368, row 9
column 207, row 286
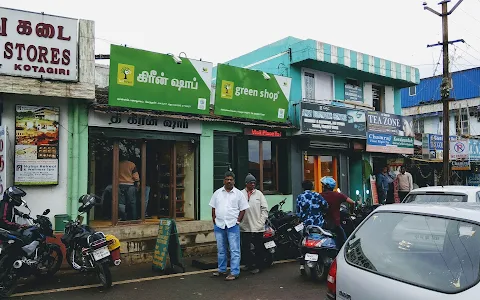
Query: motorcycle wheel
column 104, row 274
column 319, row 273
column 7, row 283
column 54, row 262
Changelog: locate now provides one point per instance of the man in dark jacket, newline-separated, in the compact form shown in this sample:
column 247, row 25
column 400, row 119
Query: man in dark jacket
column 11, row 199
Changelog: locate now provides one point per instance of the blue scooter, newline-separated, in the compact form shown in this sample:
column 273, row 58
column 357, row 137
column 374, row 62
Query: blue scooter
column 319, row 249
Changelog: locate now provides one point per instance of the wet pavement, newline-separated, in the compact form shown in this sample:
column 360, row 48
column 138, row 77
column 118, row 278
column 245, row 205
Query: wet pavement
column 281, row 281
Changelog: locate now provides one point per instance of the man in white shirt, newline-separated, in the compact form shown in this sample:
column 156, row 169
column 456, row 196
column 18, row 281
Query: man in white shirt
column 405, row 183
column 228, row 208
column 253, row 225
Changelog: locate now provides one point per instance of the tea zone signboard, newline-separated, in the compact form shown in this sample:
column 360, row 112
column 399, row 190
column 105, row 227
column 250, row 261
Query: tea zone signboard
column 38, row 45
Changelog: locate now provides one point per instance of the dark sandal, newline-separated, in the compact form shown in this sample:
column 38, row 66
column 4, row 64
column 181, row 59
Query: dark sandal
column 218, row 274
column 231, row 277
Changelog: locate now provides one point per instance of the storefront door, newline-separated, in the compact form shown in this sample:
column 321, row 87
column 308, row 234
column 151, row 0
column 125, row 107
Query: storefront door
column 317, row 166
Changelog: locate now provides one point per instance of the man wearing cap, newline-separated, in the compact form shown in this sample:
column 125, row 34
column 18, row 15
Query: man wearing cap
column 253, row 225
column 228, row 208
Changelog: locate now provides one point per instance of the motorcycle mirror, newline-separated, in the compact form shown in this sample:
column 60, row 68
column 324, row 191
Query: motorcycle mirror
column 46, row 212
column 24, row 203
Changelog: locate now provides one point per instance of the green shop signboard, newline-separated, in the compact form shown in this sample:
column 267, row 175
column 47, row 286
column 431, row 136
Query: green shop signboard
column 245, row 93
column 148, row 80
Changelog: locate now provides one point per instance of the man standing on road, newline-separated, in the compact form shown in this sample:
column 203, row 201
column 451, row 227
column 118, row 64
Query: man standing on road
column 334, row 199
column 405, row 183
column 253, row 225
column 228, row 208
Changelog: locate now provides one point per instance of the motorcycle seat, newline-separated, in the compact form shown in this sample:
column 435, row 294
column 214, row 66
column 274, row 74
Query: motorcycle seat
column 318, row 229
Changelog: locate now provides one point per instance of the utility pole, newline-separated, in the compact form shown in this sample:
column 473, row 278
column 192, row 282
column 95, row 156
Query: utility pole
column 445, row 87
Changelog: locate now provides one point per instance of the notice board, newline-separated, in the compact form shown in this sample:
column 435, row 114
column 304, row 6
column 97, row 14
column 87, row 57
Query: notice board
column 167, row 244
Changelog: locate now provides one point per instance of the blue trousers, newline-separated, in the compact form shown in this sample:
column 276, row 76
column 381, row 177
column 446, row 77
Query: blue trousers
column 228, row 238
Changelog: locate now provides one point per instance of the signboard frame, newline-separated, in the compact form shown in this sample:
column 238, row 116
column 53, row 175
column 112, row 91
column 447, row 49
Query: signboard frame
column 149, row 80
column 50, row 45
column 251, row 94
column 332, row 120
column 37, row 145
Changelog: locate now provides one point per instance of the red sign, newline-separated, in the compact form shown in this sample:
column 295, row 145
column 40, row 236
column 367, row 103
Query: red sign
column 262, row 132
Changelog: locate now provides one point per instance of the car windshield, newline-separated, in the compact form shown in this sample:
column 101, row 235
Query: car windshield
column 436, row 197
column 432, row 252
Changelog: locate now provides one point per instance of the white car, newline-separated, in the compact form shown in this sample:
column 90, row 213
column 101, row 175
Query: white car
column 411, row 251
column 449, row 193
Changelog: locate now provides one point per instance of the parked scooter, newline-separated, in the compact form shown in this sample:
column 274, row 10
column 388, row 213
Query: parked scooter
column 319, row 249
column 90, row 250
column 288, row 229
column 26, row 252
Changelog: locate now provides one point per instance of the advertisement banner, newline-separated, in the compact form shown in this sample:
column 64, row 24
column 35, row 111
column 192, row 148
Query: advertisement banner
column 3, row 158
column 149, row 80
column 461, row 165
column 433, row 147
column 38, row 45
column 474, row 146
column 36, row 145
column 332, row 120
column 353, row 93
column 459, row 149
column 388, row 133
column 245, row 93
column 387, row 143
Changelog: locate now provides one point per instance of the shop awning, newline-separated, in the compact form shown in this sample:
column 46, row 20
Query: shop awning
column 105, row 108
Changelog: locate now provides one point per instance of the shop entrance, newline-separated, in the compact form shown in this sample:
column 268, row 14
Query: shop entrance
column 142, row 179
column 317, row 166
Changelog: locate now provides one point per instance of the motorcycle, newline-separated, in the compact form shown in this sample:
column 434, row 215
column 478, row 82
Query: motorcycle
column 26, row 253
column 89, row 250
column 319, row 249
column 362, row 211
column 347, row 220
column 288, row 229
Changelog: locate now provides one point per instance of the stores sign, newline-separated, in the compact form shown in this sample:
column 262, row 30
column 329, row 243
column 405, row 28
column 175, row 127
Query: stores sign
column 142, row 122
column 38, row 45
column 149, row 80
column 263, row 132
column 247, row 94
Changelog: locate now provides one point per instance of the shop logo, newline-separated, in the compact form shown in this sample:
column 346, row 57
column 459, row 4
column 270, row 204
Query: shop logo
column 126, row 74
column 227, row 89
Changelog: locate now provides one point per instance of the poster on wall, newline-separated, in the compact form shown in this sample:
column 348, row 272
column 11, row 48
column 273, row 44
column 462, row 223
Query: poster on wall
column 36, row 145
column 3, row 159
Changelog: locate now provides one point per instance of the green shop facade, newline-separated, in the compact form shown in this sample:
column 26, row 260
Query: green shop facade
column 160, row 113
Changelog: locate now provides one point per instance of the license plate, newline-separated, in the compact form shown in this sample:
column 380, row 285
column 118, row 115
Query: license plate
column 311, row 257
column 299, row 227
column 270, row 244
column 101, row 253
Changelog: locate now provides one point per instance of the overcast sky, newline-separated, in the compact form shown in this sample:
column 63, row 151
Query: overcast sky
column 217, row 31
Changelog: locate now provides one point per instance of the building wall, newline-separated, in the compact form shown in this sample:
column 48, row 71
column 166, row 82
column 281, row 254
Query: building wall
column 71, row 98
column 40, row 198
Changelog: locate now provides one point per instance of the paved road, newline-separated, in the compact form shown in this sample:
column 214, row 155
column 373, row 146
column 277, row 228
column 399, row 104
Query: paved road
column 282, row 281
